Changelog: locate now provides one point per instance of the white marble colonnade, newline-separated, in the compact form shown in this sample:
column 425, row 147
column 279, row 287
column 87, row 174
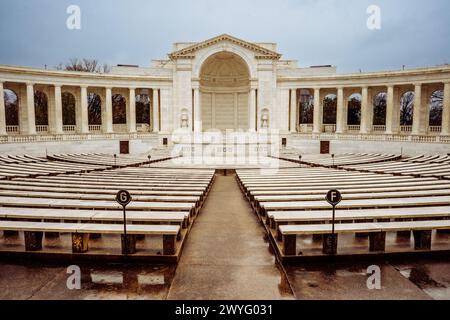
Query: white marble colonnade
column 420, row 115
column 27, row 117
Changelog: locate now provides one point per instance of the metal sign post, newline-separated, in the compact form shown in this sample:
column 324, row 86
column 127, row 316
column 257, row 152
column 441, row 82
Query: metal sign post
column 124, row 198
column 333, row 197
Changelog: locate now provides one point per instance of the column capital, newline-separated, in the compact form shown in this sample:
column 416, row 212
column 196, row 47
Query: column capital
column 30, row 84
column 365, row 87
column 132, row 88
column 84, row 86
column 108, row 87
column 417, row 84
column 57, row 85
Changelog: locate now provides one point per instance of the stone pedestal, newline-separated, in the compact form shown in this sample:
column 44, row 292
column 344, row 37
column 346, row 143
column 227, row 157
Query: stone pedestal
column 328, row 244
column 422, row 239
column 169, row 242
column 7, row 234
column 377, row 242
column 129, row 244
column 290, row 244
column 80, row 242
column 33, row 240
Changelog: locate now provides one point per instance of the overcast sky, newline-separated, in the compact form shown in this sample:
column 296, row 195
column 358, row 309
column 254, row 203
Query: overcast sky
column 314, row 32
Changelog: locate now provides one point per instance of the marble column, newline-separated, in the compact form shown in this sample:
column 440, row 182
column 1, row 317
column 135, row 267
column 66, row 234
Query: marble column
column 56, row 120
column 418, row 117
column 446, row 110
column 131, row 112
column 2, row 111
column 293, row 115
column 390, row 111
column 197, row 111
column 30, row 112
column 84, row 123
column 156, row 121
column 252, row 110
column 107, row 118
column 366, row 124
column 341, row 123
column 317, row 112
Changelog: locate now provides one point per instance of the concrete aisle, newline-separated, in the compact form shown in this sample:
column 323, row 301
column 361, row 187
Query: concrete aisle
column 226, row 255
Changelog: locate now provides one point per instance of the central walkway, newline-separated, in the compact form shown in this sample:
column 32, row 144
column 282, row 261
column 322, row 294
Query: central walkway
column 226, row 255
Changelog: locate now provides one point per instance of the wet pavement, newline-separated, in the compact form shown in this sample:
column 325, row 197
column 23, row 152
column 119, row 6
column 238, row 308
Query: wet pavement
column 227, row 256
column 49, row 282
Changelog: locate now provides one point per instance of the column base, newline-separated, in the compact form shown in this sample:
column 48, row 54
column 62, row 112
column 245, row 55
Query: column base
column 330, row 246
column 80, row 242
column 33, row 240
column 290, row 245
column 377, row 242
column 129, row 244
column 422, row 239
column 169, row 244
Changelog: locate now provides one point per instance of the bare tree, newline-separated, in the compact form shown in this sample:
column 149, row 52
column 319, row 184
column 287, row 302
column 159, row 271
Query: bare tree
column 379, row 109
column 407, row 109
column 436, row 105
column 354, row 111
column 306, row 109
column 84, row 65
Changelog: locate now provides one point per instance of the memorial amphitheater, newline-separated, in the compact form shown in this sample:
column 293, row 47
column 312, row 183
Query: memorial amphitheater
column 228, row 152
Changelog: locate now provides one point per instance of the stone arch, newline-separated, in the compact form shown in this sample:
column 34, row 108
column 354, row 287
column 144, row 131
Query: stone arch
column 11, row 107
column 94, row 109
column 379, row 108
column 407, row 108
column 119, row 109
column 224, row 92
column 143, row 107
column 241, row 52
column 354, row 109
column 306, row 106
column 436, row 107
column 68, row 109
column 330, row 109
column 41, row 108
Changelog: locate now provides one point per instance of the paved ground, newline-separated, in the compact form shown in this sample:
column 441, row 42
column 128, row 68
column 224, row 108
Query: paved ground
column 226, row 256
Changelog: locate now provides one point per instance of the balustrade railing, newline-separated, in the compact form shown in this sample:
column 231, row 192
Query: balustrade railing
column 354, row 128
column 405, row 129
column 435, row 129
column 379, row 128
column 95, row 127
column 12, row 129
column 69, row 128
column 41, row 128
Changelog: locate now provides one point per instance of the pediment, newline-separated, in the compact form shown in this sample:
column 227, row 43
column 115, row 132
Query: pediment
column 260, row 52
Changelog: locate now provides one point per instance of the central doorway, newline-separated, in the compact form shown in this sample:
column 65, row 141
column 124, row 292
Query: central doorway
column 224, row 89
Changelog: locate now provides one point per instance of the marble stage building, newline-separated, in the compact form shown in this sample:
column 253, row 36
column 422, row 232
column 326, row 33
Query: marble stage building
column 224, row 84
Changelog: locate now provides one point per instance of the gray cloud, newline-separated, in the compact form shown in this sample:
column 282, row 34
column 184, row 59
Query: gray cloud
column 414, row 33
